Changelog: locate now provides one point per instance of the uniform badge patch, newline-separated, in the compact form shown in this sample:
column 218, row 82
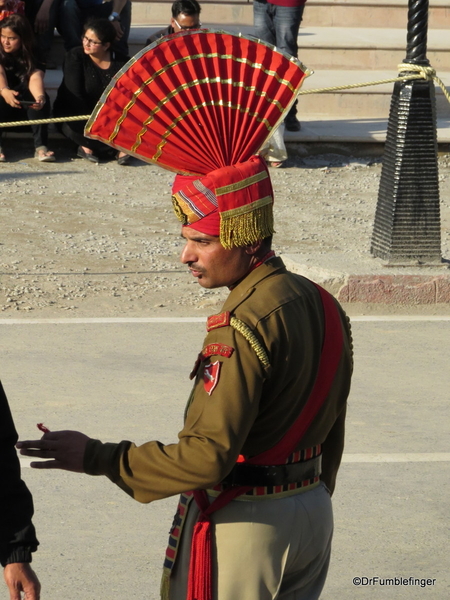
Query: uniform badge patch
column 220, row 349
column 217, row 321
column 211, row 376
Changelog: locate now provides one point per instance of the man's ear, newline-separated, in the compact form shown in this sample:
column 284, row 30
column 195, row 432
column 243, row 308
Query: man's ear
column 254, row 248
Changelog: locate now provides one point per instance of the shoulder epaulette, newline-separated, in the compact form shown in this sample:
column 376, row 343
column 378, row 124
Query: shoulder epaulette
column 217, row 321
column 224, row 319
column 251, row 338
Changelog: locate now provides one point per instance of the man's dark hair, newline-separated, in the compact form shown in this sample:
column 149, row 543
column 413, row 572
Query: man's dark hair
column 187, row 7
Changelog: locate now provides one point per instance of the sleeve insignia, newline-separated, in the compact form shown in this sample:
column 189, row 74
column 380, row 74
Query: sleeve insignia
column 217, row 321
column 211, row 350
column 211, row 376
column 217, row 349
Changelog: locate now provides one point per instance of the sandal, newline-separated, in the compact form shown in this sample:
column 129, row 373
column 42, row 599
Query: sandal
column 2, row 156
column 276, row 164
column 44, row 155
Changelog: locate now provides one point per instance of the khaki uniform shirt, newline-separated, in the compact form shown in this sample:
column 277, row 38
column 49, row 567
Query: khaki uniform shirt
column 251, row 407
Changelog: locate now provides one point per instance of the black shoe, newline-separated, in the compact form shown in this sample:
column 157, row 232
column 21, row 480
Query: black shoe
column 90, row 157
column 292, row 124
column 123, row 160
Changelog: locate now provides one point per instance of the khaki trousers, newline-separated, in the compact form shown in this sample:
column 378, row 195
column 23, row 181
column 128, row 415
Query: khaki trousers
column 264, row 549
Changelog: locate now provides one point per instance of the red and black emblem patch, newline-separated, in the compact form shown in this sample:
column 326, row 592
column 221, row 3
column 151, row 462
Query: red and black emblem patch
column 211, row 350
column 211, row 374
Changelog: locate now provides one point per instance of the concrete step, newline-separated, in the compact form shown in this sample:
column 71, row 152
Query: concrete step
column 337, row 117
column 338, row 56
column 340, row 47
column 318, row 13
column 324, row 47
column 373, row 101
column 366, row 48
column 316, row 128
column 358, row 102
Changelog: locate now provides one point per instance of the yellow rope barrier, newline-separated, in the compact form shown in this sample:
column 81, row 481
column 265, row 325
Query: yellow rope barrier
column 45, row 121
column 411, row 72
column 421, row 73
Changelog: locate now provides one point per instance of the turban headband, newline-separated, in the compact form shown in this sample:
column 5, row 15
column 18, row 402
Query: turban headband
column 234, row 203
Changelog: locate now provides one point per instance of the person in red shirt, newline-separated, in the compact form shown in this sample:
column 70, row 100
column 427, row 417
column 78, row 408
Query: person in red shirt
column 277, row 22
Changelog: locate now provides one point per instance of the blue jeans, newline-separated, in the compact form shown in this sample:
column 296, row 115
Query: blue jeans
column 10, row 114
column 278, row 25
column 73, row 17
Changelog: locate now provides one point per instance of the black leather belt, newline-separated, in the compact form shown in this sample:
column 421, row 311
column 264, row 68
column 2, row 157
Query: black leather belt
column 263, row 476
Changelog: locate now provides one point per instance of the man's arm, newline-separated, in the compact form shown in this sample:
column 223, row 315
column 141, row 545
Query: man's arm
column 117, row 7
column 216, row 428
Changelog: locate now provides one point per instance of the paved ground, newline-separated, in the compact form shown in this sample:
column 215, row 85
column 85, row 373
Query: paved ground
column 127, row 379
column 79, row 242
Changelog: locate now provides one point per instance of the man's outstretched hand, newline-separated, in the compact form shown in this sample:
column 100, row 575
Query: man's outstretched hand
column 63, row 449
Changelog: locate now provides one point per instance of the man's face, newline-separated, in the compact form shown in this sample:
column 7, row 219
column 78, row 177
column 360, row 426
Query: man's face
column 212, row 264
column 185, row 22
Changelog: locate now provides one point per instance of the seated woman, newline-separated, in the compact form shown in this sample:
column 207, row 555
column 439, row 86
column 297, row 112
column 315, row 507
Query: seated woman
column 22, row 93
column 88, row 69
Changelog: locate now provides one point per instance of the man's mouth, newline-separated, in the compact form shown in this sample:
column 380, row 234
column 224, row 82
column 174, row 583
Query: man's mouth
column 195, row 272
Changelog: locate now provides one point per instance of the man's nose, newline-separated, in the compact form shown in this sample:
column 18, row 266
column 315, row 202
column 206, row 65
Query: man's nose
column 187, row 254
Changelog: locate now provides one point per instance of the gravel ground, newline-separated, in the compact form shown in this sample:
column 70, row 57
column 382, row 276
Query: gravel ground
column 82, row 240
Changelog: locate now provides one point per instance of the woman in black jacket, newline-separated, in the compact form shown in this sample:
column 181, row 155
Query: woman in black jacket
column 22, row 93
column 88, row 69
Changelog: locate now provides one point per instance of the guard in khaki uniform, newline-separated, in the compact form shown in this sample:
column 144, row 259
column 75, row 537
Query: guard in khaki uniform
column 256, row 460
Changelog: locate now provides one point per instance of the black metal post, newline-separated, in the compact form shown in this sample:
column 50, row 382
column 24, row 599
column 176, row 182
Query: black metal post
column 407, row 220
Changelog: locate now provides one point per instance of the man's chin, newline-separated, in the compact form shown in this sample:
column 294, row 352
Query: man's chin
column 203, row 283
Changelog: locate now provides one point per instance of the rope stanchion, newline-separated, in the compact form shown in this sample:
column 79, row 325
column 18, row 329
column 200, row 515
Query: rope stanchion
column 411, row 72
column 426, row 72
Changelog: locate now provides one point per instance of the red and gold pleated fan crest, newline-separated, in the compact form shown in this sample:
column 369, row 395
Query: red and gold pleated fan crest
column 197, row 101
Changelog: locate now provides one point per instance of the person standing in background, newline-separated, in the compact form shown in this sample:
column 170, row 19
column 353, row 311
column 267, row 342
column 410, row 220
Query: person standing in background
column 277, row 22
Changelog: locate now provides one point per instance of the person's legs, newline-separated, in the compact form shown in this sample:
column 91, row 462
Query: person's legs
column 287, row 20
column 43, row 39
column 8, row 114
column 70, row 23
column 40, row 132
column 309, row 555
column 264, row 549
column 262, row 22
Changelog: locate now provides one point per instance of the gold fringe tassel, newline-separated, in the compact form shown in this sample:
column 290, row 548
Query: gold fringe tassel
column 242, row 230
